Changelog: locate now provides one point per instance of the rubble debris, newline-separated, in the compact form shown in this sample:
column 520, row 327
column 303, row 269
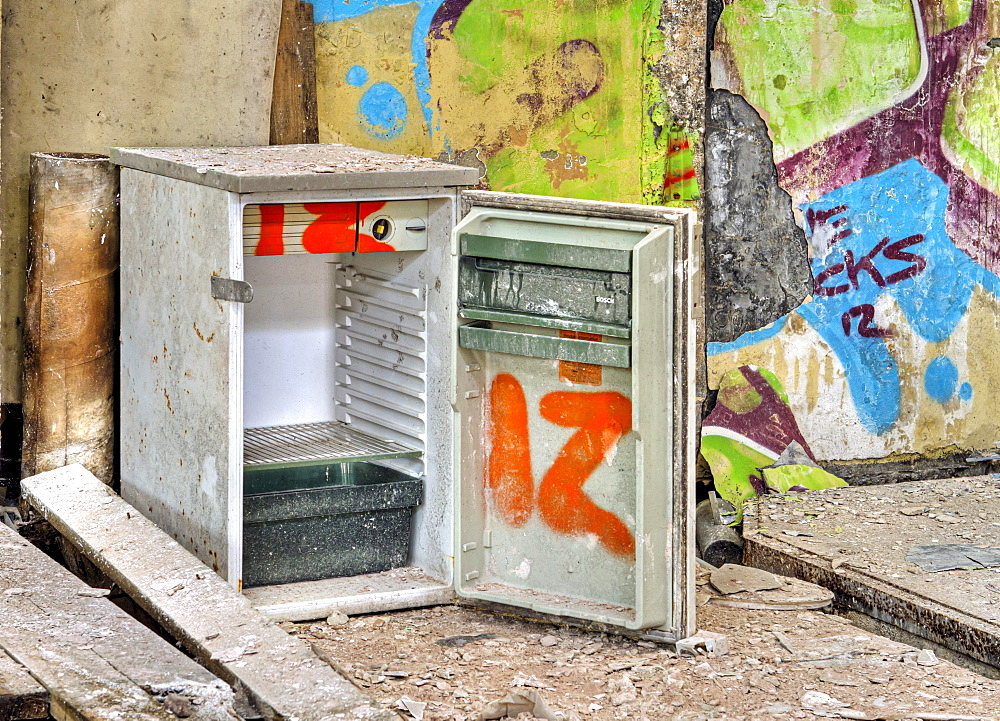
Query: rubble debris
column 927, row 658
column 337, row 619
column 790, row 594
column 518, row 702
column 877, row 677
column 714, row 644
column 861, row 546
column 988, row 457
column 414, row 708
column 953, row 556
column 793, row 595
column 733, row 579
column 463, row 640
column 819, row 701
column 749, row 429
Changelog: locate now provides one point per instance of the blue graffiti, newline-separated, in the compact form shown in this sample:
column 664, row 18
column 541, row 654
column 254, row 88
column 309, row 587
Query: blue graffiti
column 884, row 237
column 357, row 76
column 941, row 379
column 382, row 111
column 337, row 10
column 747, row 339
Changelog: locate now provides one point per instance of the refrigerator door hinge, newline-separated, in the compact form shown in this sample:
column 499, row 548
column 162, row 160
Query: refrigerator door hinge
column 238, row 291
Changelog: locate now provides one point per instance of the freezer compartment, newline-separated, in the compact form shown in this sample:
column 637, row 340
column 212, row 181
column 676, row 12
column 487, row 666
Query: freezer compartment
column 553, row 344
column 581, row 294
column 340, row 227
column 325, row 520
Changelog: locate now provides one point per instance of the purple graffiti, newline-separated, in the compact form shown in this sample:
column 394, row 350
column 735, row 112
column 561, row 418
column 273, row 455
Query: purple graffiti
column 911, row 129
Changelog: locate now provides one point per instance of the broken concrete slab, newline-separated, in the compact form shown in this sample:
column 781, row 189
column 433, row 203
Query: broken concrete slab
column 792, row 595
column 733, row 579
column 714, row 644
column 281, row 675
column 953, row 556
column 859, row 546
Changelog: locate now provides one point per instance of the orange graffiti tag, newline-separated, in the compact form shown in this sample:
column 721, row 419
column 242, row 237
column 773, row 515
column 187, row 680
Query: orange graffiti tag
column 272, row 229
column 334, row 231
column 509, row 467
column 603, row 418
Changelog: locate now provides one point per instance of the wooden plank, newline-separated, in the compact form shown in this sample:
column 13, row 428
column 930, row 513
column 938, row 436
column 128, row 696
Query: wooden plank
column 281, row 674
column 21, row 696
column 294, row 109
column 96, row 661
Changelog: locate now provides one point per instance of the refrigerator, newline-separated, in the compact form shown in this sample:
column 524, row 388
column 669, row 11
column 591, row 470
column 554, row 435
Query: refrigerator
column 350, row 383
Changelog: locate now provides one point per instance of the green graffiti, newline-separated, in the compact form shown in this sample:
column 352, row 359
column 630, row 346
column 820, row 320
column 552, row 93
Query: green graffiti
column 597, row 139
column 956, row 12
column 814, row 68
column 970, row 126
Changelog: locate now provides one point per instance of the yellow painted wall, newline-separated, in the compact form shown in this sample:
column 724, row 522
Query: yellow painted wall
column 556, row 97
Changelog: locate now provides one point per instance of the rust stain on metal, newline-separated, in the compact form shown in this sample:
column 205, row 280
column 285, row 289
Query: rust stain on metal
column 200, row 336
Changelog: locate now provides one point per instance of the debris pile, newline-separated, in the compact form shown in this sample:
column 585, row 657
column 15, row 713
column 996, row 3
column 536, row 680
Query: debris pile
column 783, row 665
column 744, row 587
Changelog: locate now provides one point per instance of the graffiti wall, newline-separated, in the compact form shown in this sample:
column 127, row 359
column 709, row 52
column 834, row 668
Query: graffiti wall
column 556, row 97
column 883, row 121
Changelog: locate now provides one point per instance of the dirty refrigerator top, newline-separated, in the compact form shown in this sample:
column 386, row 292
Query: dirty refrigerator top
column 280, row 168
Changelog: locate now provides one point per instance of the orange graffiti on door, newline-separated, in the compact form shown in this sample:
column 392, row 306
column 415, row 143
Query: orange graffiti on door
column 602, row 417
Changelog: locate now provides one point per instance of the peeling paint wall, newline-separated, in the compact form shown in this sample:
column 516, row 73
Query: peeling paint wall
column 883, row 122
column 556, row 97
column 757, row 266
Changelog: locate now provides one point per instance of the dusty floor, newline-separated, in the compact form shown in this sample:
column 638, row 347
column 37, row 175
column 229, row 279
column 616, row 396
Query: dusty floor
column 781, row 665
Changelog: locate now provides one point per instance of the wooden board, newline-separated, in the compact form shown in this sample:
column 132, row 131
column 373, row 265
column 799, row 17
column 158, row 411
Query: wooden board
column 855, row 541
column 294, row 113
column 21, row 696
column 282, row 675
column 95, row 661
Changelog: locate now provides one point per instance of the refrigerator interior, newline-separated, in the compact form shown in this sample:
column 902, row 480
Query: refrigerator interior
column 336, row 345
